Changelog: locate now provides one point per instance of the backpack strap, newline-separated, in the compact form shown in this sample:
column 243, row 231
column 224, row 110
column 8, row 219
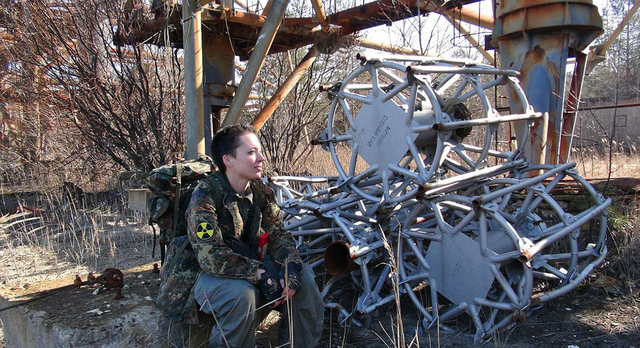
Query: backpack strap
column 216, row 183
column 176, row 201
column 176, row 210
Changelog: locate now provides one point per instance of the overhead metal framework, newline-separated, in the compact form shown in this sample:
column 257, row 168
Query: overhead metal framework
column 243, row 27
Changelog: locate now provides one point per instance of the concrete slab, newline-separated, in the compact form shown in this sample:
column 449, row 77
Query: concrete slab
column 87, row 317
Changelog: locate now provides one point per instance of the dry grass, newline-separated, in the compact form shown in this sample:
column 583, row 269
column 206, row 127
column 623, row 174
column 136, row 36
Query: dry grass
column 50, row 236
column 594, row 165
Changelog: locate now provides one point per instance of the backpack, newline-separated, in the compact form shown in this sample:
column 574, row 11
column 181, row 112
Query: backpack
column 175, row 182
column 172, row 186
column 178, row 276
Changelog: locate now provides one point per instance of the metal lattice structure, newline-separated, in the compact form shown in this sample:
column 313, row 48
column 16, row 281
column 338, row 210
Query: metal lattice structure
column 424, row 201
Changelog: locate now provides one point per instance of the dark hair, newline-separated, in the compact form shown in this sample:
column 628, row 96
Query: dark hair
column 225, row 142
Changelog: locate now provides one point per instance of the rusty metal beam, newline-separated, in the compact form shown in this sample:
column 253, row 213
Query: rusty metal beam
column 571, row 107
column 366, row 43
column 370, row 15
column 320, row 15
column 260, row 50
column 193, row 79
column 286, row 87
column 242, row 27
column 388, row 11
column 297, row 26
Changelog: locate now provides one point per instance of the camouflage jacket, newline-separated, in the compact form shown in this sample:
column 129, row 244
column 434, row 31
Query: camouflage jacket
column 211, row 218
column 209, row 222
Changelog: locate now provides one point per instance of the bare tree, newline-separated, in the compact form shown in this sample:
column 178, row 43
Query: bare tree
column 287, row 135
column 623, row 57
column 77, row 96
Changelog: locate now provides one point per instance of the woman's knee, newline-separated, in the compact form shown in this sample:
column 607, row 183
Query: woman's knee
column 245, row 296
column 225, row 295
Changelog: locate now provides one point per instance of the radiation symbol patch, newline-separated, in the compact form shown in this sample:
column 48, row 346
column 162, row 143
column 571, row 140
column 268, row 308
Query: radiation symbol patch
column 204, row 230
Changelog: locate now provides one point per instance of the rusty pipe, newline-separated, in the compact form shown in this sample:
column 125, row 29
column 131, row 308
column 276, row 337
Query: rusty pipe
column 337, row 258
column 258, row 56
column 320, row 15
column 286, row 87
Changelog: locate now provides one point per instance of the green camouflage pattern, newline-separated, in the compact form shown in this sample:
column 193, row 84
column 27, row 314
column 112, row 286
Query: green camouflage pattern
column 209, row 222
column 216, row 211
column 162, row 182
column 177, row 277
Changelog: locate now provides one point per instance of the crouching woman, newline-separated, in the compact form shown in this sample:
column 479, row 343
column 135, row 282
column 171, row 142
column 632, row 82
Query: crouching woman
column 246, row 256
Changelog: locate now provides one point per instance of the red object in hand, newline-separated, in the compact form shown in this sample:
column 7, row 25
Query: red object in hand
column 262, row 245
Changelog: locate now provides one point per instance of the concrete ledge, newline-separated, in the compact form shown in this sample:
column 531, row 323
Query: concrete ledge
column 76, row 317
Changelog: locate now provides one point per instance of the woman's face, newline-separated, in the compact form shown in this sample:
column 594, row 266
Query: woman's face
column 247, row 162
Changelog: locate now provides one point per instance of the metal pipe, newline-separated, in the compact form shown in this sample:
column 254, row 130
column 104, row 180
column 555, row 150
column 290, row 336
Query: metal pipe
column 337, row 258
column 531, row 252
column 524, row 184
column 481, row 121
column 263, row 44
column 430, row 69
column 575, row 281
column 320, row 15
column 193, row 79
column 286, row 87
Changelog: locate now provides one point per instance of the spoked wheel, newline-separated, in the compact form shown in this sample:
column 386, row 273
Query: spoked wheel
column 393, row 127
column 565, row 241
column 496, row 247
column 469, row 257
column 369, row 130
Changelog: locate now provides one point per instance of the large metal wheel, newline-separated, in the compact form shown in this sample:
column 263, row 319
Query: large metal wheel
column 395, row 125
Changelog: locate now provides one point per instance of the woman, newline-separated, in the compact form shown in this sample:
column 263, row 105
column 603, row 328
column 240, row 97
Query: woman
column 246, row 255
